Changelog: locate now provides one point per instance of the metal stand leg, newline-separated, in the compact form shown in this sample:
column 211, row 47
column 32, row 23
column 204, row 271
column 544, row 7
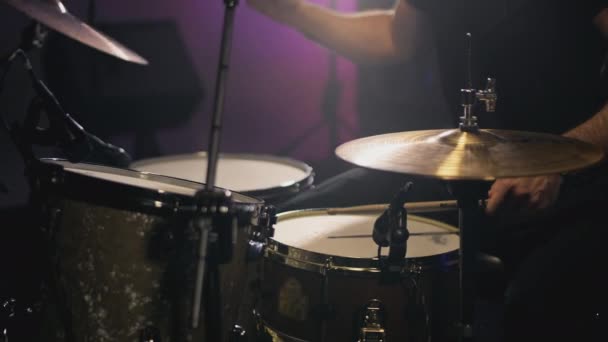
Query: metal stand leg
column 468, row 195
column 211, row 270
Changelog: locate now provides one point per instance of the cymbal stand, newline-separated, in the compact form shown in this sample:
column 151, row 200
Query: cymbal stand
column 207, row 234
column 220, row 91
column 469, row 194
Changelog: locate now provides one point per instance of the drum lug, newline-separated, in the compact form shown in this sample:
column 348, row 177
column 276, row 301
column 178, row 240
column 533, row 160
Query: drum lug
column 261, row 232
column 255, row 250
column 268, row 219
column 238, row 334
column 414, row 269
column 372, row 329
column 327, row 267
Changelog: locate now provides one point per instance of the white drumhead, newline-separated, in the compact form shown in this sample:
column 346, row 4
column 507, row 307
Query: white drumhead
column 133, row 178
column 314, row 233
column 236, row 172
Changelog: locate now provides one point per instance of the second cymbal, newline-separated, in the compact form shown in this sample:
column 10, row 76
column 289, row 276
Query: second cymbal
column 54, row 15
column 486, row 154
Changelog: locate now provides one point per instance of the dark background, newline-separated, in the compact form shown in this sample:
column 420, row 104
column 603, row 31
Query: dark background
column 279, row 100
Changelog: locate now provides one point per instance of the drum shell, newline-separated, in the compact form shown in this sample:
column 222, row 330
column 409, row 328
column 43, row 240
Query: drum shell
column 120, row 265
column 407, row 302
column 311, row 296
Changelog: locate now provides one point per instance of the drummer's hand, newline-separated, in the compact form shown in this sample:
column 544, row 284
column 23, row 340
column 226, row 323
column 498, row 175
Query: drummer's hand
column 517, row 199
column 279, row 10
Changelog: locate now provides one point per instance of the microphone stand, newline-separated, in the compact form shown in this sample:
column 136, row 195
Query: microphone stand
column 210, row 233
column 32, row 36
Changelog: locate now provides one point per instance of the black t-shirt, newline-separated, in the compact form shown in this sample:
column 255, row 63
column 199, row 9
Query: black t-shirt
column 546, row 56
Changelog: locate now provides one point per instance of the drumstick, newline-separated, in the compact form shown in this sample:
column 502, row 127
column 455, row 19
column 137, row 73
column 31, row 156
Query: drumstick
column 413, row 207
column 369, row 235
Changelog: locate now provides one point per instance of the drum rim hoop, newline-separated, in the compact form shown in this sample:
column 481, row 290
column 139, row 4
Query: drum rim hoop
column 264, row 193
column 52, row 176
column 321, row 262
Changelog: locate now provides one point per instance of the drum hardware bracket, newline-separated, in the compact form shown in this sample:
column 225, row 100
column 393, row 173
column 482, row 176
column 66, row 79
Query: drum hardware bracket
column 255, row 250
column 261, row 232
column 372, row 322
column 217, row 221
column 238, row 334
column 267, row 221
column 470, row 97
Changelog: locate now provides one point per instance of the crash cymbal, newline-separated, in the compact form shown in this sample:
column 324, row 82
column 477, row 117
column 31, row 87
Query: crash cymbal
column 54, row 15
column 482, row 155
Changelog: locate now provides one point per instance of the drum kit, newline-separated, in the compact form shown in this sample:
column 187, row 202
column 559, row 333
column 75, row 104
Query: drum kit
column 159, row 250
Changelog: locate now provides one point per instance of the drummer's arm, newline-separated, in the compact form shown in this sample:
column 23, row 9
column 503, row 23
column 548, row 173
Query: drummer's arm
column 595, row 129
column 374, row 36
column 533, row 194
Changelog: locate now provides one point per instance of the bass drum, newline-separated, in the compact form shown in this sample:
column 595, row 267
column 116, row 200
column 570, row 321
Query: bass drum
column 322, row 281
column 270, row 178
column 123, row 254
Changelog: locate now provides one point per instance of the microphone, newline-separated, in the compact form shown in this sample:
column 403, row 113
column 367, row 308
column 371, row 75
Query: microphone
column 390, row 230
column 389, row 219
column 105, row 153
column 78, row 144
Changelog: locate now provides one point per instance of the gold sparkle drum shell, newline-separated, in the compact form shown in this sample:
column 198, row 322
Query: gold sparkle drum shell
column 123, row 251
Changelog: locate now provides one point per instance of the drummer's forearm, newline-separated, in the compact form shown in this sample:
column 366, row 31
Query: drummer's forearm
column 370, row 37
column 594, row 130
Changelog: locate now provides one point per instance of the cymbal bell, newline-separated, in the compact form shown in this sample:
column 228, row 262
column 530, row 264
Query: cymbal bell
column 485, row 154
column 54, row 15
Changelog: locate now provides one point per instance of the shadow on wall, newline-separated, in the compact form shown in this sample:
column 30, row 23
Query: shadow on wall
column 111, row 97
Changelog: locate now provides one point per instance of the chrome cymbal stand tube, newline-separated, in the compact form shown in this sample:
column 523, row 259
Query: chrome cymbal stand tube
column 469, row 195
column 206, row 229
column 220, row 91
column 470, row 215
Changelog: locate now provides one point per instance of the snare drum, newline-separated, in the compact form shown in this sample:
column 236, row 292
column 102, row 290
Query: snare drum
column 123, row 252
column 273, row 179
column 322, row 281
